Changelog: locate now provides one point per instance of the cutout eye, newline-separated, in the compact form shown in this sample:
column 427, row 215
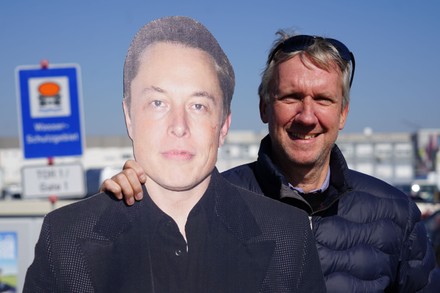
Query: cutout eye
column 199, row 107
column 157, row 103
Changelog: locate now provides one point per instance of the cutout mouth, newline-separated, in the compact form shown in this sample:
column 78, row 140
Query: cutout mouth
column 178, row 155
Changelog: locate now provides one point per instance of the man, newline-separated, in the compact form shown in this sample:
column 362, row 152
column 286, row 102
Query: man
column 194, row 232
column 368, row 234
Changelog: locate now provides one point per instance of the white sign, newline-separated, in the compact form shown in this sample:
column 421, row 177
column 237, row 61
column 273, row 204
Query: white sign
column 56, row 104
column 63, row 181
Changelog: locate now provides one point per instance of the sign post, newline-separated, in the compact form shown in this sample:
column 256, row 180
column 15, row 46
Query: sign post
column 50, row 109
column 50, row 116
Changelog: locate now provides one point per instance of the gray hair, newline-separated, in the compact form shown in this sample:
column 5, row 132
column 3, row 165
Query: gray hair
column 321, row 53
column 187, row 32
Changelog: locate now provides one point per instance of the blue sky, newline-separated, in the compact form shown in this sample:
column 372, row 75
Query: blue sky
column 396, row 44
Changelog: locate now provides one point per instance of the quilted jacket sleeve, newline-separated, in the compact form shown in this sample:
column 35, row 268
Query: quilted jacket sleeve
column 418, row 270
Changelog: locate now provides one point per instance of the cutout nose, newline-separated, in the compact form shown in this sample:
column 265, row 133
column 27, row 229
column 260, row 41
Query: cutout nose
column 179, row 123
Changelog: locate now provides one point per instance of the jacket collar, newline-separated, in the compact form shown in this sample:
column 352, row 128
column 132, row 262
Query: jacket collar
column 273, row 183
column 231, row 210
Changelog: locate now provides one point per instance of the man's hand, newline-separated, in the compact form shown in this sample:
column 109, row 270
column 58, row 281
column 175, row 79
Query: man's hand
column 126, row 184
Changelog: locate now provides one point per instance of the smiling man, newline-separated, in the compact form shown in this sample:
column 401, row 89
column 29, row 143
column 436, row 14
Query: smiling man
column 194, row 232
column 304, row 115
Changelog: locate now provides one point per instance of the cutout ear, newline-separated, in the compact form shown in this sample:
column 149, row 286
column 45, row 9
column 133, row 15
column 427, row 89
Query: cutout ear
column 128, row 123
column 224, row 130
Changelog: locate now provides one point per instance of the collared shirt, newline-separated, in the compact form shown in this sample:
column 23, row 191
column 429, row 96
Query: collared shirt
column 177, row 265
column 315, row 197
column 324, row 186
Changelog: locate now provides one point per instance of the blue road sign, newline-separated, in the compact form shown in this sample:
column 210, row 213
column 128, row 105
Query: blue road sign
column 50, row 108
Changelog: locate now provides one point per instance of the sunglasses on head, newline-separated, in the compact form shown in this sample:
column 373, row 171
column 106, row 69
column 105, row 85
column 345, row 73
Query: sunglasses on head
column 302, row 42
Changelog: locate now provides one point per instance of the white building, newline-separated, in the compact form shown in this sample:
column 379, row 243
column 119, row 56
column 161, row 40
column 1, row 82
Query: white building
column 389, row 156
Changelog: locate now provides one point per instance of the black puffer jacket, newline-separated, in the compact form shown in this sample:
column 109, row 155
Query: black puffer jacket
column 369, row 235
